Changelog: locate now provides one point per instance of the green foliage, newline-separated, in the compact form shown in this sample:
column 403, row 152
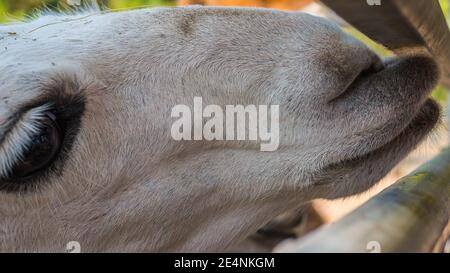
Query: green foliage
column 125, row 4
column 13, row 10
column 440, row 94
column 445, row 4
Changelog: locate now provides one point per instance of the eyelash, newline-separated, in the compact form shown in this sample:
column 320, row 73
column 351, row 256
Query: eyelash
column 19, row 138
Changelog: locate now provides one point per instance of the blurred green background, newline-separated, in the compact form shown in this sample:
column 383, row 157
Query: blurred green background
column 14, row 10
column 19, row 8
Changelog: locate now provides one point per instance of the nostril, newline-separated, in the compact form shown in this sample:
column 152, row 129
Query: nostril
column 377, row 66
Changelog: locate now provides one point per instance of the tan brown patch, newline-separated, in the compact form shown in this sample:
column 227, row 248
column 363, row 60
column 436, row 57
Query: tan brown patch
column 186, row 23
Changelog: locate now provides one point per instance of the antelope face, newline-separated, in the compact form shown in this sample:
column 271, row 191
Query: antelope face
column 86, row 152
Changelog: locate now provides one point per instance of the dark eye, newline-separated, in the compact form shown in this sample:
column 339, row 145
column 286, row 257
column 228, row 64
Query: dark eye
column 42, row 149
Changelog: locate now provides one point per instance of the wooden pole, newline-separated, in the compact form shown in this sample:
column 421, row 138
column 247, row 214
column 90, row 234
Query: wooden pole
column 409, row 216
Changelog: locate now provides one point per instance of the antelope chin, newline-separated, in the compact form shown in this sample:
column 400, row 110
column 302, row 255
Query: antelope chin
column 415, row 131
column 365, row 170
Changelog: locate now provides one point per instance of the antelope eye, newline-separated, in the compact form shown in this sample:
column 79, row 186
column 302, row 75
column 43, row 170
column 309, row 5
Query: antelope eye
column 42, row 149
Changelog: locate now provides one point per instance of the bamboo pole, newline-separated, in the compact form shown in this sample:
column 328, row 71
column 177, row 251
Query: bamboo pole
column 409, row 216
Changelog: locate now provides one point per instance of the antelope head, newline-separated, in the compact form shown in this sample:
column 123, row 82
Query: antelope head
column 86, row 151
